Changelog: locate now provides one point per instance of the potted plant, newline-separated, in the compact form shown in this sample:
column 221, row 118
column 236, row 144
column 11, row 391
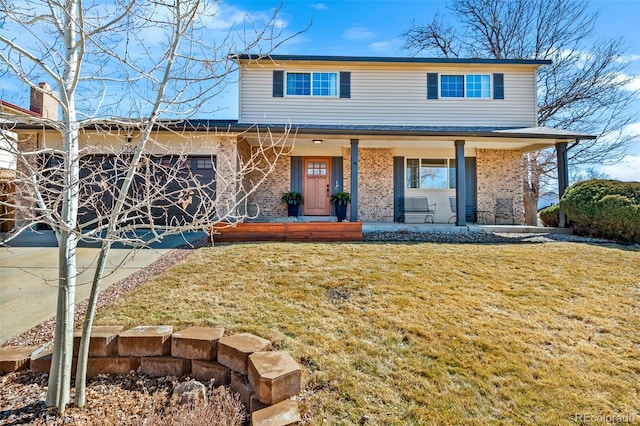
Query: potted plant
column 293, row 200
column 340, row 200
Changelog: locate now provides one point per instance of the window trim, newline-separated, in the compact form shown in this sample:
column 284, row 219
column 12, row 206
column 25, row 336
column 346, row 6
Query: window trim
column 450, row 173
column 336, row 87
column 465, row 91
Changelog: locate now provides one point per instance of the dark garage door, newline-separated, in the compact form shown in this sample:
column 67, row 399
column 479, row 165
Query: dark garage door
column 163, row 192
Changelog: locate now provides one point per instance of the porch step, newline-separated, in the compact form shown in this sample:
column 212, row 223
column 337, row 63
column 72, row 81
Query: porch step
column 318, row 218
column 294, row 231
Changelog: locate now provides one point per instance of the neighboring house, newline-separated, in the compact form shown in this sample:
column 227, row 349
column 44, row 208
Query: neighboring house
column 9, row 113
column 383, row 129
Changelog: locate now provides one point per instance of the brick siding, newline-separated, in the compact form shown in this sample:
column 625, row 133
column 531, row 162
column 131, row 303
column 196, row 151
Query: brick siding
column 499, row 175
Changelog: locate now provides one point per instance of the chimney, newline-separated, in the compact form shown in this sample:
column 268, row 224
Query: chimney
column 43, row 102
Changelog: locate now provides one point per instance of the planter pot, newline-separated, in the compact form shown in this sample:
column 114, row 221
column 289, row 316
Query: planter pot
column 341, row 212
column 292, row 210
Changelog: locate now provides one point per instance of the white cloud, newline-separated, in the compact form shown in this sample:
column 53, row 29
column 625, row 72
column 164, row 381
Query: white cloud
column 632, row 81
column 628, row 169
column 357, row 33
column 629, row 58
column 388, row 47
column 320, row 6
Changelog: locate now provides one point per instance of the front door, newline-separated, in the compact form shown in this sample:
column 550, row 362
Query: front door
column 315, row 187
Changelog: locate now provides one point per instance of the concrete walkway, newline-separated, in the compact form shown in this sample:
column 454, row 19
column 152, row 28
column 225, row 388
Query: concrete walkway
column 29, row 271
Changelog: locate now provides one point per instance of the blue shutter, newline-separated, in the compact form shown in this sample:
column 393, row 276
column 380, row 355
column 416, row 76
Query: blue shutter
column 278, row 84
column 498, row 86
column 432, row 85
column 471, row 189
column 398, row 189
column 345, row 84
column 296, row 174
column 336, row 175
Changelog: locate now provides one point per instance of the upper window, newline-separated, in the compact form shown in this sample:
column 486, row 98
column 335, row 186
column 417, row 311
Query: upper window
column 452, row 86
column 314, row 84
column 430, row 173
column 478, row 86
column 325, row 84
column 469, row 86
column 298, row 83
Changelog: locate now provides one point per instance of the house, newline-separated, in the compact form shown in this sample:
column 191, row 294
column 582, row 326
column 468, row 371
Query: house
column 10, row 113
column 385, row 129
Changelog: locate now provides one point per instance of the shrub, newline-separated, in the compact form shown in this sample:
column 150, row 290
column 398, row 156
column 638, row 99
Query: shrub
column 550, row 216
column 604, row 208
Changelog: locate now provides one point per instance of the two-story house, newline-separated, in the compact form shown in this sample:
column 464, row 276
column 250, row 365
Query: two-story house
column 389, row 128
column 382, row 128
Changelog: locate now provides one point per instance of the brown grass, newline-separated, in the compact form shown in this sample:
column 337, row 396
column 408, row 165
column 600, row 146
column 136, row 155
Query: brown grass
column 424, row 333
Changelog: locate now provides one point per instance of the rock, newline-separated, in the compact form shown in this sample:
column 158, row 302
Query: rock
column 191, row 392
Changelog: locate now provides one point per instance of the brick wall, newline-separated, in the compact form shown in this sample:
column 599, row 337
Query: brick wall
column 499, row 175
column 375, row 185
column 27, row 145
column 266, row 198
column 226, row 174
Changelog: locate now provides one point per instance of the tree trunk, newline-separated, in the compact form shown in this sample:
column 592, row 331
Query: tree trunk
column 531, row 188
column 83, row 352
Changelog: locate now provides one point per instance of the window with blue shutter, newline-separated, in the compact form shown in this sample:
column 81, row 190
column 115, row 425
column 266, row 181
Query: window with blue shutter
column 278, row 84
column 498, row 86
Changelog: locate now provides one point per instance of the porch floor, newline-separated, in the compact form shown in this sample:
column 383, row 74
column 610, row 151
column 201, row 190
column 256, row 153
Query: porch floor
column 368, row 227
column 354, row 231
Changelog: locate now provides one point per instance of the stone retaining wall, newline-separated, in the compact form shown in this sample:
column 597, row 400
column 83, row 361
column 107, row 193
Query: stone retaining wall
column 265, row 379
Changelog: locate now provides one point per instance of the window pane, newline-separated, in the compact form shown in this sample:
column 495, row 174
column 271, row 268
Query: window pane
column 433, row 174
column 478, row 86
column 298, row 84
column 452, row 86
column 204, row 164
column 412, row 172
column 325, row 84
column 452, row 174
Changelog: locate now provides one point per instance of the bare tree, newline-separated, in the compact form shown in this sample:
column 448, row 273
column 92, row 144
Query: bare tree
column 154, row 61
column 584, row 89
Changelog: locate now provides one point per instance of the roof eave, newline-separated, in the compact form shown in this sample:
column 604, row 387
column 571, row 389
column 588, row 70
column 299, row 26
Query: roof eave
column 386, row 59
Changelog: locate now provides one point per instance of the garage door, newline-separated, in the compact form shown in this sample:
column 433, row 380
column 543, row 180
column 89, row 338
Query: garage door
column 165, row 192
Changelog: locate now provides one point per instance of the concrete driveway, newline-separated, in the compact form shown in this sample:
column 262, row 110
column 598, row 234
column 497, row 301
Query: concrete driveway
column 29, row 271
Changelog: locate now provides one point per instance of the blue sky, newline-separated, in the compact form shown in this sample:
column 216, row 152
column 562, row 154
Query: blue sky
column 374, row 28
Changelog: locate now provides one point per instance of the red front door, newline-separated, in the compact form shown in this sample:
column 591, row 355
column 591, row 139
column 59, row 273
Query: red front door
column 315, row 187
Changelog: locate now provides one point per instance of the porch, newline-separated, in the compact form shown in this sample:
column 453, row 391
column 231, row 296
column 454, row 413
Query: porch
column 315, row 231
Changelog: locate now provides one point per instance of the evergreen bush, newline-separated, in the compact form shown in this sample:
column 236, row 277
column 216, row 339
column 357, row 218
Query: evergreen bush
column 604, row 208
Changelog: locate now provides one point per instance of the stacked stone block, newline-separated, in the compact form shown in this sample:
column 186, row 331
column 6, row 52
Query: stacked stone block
column 265, row 380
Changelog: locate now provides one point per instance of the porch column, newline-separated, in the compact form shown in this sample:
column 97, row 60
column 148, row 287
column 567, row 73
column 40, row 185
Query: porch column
column 354, row 180
column 563, row 177
column 461, row 195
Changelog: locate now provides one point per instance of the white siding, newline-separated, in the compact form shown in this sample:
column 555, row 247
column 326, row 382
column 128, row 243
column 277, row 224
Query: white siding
column 389, row 97
column 8, row 159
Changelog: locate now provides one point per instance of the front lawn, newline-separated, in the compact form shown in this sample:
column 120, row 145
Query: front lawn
column 424, row 333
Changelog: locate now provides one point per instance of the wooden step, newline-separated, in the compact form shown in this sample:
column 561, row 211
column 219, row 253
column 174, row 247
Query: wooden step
column 294, row 231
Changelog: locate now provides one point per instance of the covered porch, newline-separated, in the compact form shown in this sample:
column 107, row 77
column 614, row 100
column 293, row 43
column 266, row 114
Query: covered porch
column 314, row 231
column 382, row 167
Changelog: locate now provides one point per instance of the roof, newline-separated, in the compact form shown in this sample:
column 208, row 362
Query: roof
column 388, row 59
column 18, row 109
column 449, row 131
column 360, row 130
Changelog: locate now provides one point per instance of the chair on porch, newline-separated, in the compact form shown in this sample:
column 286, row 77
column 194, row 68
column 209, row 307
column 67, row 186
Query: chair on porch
column 420, row 205
column 454, row 209
column 504, row 210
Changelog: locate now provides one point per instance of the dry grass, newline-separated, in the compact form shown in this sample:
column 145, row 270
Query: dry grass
column 424, row 333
